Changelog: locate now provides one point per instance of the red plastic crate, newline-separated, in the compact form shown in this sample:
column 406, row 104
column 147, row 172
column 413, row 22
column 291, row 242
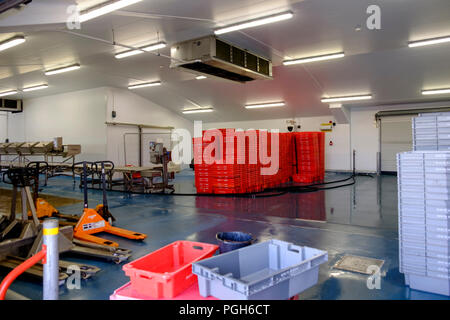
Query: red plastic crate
column 167, row 272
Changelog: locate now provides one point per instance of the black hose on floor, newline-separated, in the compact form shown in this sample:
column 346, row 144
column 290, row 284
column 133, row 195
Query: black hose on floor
column 270, row 192
column 278, row 191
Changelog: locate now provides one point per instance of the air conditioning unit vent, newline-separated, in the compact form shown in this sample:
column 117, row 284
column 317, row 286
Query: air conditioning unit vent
column 11, row 105
column 213, row 57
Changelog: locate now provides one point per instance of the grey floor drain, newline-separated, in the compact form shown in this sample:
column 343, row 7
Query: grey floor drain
column 358, row 264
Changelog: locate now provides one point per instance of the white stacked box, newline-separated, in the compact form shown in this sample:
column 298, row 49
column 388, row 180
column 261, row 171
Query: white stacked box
column 431, row 132
column 424, row 219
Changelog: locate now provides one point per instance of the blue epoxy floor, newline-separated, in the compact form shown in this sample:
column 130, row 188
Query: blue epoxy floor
column 359, row 220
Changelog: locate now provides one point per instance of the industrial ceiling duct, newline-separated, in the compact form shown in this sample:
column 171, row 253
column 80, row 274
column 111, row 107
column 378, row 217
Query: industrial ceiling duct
column 213, row 57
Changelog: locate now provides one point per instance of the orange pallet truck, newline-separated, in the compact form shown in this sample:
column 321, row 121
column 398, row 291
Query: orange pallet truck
column 45, row 210
column 92, row 222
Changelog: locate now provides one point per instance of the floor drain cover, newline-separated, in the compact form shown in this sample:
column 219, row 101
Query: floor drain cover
column 358, row 264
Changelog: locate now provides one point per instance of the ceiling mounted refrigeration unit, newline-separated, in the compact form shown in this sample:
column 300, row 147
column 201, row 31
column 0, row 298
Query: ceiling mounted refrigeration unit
column 11, row 105
column 214, row 57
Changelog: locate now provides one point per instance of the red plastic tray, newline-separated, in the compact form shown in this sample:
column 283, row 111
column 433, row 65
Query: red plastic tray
column 167, row 272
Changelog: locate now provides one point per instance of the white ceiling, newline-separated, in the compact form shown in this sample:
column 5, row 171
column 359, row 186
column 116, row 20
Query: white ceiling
column 377, row 62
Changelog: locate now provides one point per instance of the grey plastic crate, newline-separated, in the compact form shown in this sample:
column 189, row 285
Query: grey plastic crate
column 445, row 117
column 442, row 129
column 428, row 284
column 425, row 118
column 423, row 125
column 425, row 148
column 431, row 144
column 443, row 124
column 432, row 114
column 271, row 270
column 443, row 142
column 443, row 136
column 427, row 130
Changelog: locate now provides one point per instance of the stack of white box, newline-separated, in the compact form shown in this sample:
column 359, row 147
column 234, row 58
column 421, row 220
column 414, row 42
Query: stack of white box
column 424, row 219
column 431, row 132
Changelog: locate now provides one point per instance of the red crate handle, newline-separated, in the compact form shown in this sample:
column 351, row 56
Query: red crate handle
column 21, row 268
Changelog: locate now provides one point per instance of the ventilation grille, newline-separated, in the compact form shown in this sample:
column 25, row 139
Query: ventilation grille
column 206, row 68
column 242, row 58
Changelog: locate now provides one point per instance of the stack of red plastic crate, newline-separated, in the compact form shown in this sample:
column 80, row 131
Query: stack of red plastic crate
column 243, row 174
column 203, row 179
column 229, row 176
column 285, row 159
column 310, row 157
column 251, row 160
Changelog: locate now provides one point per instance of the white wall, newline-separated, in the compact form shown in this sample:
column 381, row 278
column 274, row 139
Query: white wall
column 132, row 108
column 77, row 116
column 365, row 138
column 361, row 135
column 337, row 156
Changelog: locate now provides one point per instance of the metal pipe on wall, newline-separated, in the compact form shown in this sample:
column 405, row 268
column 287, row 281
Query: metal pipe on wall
column 140, row 145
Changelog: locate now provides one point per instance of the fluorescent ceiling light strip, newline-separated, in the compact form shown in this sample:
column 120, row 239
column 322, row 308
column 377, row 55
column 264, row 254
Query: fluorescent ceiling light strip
column 428, row 42
column 197, row 110
column 435, row 91
column 255, row 22
column 200, row 77
column 265, row 105
column 34, row 88
column 63, row 69
column 128, row 54
column 349, row 98
column 144, row 85
column 12, row 42
column 7, row 93
column 313, row 59
column 155, row 46
column 104, row 8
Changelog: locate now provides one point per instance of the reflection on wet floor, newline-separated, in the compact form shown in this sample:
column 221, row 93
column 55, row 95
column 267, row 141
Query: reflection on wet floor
column 370, row 202
column 305, row 206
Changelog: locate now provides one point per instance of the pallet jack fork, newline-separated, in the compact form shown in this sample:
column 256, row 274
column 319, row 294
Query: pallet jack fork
column 91, row 222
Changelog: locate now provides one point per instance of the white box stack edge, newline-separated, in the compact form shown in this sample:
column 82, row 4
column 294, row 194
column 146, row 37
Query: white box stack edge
column 431, row 132
column 424, row 219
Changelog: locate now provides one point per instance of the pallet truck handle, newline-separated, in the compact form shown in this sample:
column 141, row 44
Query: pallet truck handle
column 103, row 182
column 40, row 167
column 85, row 192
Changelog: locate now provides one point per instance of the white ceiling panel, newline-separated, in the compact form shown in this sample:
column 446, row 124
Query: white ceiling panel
column 377, row 62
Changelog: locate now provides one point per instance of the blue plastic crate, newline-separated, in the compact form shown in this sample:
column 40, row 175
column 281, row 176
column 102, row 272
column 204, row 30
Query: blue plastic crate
column 270, row 270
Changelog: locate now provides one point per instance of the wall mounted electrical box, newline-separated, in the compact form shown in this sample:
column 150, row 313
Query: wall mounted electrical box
column 326, row 127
